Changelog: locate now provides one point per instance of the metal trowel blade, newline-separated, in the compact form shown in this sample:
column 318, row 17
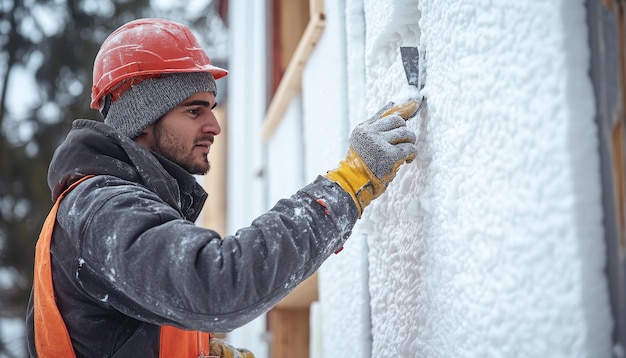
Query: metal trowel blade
column 410, row 61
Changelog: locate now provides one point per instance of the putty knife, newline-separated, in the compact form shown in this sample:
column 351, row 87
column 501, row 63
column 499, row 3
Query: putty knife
column 410, row 61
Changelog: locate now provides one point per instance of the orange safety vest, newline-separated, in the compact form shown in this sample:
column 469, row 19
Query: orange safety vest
column 51, row 336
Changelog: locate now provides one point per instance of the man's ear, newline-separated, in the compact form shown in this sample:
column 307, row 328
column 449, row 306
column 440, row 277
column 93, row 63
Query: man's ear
column 145, row 138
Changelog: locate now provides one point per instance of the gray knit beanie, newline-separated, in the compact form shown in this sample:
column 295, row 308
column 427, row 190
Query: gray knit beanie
column 149, row 100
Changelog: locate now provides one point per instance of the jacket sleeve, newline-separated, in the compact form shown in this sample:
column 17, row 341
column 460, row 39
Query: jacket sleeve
column 138, row 256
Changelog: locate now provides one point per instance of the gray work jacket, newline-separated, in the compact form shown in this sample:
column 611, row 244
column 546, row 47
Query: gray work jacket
column 127, row 257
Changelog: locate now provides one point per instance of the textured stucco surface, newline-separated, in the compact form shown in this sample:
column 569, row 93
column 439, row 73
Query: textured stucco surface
column 490, row 243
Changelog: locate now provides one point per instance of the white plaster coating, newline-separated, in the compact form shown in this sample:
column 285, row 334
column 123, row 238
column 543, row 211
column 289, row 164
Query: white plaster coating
column 389, row 25
column 490, row 244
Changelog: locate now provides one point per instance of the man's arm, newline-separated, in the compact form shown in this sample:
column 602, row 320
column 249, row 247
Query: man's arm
column 154, row 266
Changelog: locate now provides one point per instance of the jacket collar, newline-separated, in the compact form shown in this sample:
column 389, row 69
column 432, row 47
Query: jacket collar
column 96, row 148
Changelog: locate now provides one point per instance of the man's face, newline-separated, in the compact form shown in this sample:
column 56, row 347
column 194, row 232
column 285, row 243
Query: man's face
column 185, row 134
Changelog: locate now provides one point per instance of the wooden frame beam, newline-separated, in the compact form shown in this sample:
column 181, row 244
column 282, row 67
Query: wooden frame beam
column 291, row 82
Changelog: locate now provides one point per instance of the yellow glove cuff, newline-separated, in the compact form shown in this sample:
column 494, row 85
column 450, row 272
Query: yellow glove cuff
column 357, row 180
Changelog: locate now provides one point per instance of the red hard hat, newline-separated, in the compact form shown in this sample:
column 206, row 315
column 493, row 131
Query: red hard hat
column 143, row 49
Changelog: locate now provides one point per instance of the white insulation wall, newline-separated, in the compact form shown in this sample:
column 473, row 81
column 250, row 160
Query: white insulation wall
column 490, row 244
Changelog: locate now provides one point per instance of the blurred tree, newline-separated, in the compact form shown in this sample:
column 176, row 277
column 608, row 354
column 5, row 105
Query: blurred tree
column 53, row 42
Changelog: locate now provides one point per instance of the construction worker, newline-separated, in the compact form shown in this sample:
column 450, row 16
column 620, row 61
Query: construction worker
column 120, row 268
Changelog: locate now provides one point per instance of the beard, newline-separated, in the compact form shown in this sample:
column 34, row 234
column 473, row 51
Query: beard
column 171, row 147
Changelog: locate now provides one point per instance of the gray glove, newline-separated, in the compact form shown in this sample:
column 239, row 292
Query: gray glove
column 378, row 147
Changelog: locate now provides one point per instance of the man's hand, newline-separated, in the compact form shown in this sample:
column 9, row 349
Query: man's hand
column 219, row 347
column 378, row 147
